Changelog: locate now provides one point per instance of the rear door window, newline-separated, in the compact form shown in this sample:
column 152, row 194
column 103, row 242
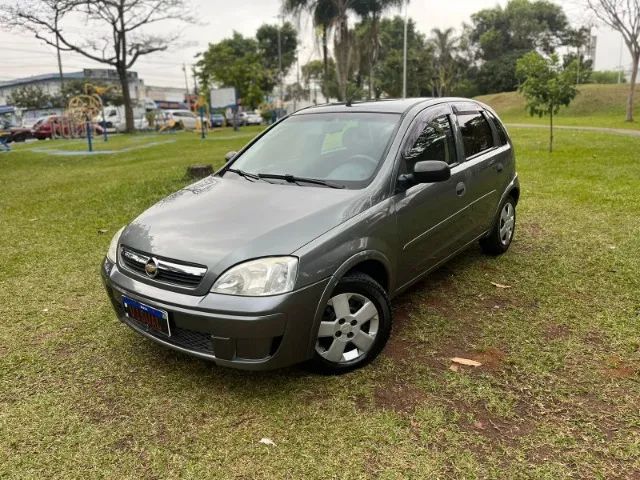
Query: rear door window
column 477, row 136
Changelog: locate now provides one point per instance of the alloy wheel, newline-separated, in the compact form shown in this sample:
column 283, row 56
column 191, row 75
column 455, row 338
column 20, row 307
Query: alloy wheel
column 507, row 223
column 348, row 328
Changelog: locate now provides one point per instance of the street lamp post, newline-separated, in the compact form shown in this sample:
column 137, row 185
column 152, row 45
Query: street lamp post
column 404, row 55
column 280, row 61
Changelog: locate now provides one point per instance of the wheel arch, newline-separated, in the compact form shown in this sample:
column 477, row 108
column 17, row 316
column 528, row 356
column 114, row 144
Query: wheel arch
column 368, row 262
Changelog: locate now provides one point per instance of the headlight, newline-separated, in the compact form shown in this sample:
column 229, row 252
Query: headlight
column 112, row 253
column 256, row 278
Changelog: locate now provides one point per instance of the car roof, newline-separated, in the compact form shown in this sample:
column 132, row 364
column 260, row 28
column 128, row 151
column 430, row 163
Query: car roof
column 385, row 106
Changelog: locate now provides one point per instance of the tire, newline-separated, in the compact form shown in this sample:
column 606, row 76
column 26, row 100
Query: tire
column 501, row 235
column 335, row 351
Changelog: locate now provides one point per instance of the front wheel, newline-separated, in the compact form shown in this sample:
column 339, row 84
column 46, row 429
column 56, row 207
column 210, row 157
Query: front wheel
column 355, row 326
column 501, row 235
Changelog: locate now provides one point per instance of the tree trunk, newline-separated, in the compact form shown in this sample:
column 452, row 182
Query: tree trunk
column 60, row 65
column 126, row 99
column 59, row 57
column 632, row 86
column 373, row 59
column 325, row 63
column 343, row 56
column 551, row 132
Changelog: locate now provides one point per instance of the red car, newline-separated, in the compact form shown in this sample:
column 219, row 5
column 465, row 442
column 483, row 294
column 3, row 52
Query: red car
column 12, row 133
column 61, row 126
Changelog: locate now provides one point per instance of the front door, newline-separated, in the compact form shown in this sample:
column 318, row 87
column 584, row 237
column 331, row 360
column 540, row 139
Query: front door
column 432, row 218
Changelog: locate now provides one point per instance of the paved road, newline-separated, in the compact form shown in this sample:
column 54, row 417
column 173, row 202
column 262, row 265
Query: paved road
column 617, row 131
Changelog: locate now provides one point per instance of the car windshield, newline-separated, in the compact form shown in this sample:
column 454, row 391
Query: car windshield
column 342, row 148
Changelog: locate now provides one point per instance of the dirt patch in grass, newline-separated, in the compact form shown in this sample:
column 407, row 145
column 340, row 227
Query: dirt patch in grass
column 556, row 332
column 402, row 398
column 619, row 368
column 506, row 431
column 532, row 229
column 491, row 358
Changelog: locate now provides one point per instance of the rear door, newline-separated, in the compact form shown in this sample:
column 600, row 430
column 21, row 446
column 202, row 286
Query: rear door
column 432, row 218
column 479, row 145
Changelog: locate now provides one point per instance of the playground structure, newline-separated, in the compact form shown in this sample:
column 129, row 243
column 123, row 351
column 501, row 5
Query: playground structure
column 77, row 119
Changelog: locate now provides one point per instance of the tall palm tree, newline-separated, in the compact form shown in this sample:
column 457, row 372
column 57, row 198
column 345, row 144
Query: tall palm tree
column 324, row 14
column 371, row 11
column 445, row 45
column 331, row 15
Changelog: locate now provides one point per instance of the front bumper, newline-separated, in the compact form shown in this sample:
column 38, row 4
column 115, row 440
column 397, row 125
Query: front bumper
column 251, row 333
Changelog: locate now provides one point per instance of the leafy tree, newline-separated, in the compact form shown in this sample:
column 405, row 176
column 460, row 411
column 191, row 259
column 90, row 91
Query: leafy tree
column 314, row 72
column 580, row 39
column 502, row 35
column 267, row 37
column 30, row 97
column 623, row 16
column 250, row 65
column 119, row 27
column 584, row 69
column 236, row 62
column 420, row 72
column 546, row 85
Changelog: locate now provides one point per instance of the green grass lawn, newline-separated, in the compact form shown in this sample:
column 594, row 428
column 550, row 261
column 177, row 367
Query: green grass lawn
column 595, row 105
column 82, row 396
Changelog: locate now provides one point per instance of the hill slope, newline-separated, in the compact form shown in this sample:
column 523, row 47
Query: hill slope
column 595, row 105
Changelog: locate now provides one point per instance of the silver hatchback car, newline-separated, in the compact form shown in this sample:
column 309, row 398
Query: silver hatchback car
column 292, row 251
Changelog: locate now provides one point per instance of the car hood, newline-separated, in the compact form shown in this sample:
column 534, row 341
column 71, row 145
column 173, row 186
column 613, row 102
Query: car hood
column 219, row 222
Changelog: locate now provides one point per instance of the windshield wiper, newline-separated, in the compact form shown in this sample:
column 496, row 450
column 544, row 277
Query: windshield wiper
column 242, row 173
column 294, row 179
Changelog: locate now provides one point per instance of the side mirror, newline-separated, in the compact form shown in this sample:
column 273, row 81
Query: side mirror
column 431, row 171
column 229, row 156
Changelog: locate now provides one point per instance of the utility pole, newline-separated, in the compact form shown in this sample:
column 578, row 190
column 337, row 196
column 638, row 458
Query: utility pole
column 186, row 81
column 404, row 56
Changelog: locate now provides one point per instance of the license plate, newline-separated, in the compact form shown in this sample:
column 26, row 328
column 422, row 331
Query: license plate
column 153, row 319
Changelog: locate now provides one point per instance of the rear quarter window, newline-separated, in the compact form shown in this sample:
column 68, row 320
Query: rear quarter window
column 502, row 133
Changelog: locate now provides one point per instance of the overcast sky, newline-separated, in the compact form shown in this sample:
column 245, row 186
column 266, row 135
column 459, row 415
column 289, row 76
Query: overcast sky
column 23, row 56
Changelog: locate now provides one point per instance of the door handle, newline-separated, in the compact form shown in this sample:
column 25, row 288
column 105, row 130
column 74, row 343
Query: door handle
column 461, row 189
column 499, row 167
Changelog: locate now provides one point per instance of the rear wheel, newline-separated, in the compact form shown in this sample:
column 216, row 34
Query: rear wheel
column 355, row 326
column 501, row 235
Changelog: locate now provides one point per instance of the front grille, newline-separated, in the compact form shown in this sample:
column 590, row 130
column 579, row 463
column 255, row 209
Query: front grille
column 166, row 271
column 181, row 337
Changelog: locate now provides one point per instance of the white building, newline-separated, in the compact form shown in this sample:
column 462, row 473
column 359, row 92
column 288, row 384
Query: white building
column 50, row 82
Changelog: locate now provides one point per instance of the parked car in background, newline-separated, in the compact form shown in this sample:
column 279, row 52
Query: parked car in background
column 253, row 118
column 293, row 250
column 188, row 119
column 217, row 120
column 61, row 126
column 115, row 120
column 12, row 132
column 240, row 118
